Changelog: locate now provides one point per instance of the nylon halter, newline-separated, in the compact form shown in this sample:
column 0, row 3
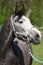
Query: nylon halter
column 20, row 33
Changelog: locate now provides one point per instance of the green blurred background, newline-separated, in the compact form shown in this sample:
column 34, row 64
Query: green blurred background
column 7, row 8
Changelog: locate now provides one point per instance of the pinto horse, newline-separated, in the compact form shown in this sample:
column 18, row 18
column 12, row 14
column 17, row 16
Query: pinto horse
column 16, row 36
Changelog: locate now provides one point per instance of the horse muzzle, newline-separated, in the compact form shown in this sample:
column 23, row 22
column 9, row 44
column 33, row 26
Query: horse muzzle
column 35, row 36
column 36, row 39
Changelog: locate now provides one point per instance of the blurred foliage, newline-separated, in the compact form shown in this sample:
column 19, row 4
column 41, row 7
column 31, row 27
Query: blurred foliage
column 5, row 11
column 37, row 13
column 7, row 8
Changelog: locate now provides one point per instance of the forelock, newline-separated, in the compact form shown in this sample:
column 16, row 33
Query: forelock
column 24, row 18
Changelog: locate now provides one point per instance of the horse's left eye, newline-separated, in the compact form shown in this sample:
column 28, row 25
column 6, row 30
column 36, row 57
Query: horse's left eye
column 21, row 22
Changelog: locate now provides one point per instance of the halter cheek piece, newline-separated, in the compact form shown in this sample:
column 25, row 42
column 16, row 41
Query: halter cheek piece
column 23, row 35
column 28, row 36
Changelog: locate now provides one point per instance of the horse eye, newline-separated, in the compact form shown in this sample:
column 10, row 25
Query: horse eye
column 21, row 22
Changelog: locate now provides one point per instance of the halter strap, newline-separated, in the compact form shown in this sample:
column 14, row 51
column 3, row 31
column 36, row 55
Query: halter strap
column 24, row 35
column 12, row 22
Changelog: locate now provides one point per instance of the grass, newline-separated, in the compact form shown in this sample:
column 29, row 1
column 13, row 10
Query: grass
column 38, row 52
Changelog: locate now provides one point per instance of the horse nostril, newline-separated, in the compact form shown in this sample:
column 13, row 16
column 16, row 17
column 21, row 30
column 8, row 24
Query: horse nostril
column 37, row 36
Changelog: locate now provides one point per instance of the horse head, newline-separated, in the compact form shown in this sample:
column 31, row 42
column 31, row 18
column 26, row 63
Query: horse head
column 23, row 22
column 31, row 31
column 24, row 25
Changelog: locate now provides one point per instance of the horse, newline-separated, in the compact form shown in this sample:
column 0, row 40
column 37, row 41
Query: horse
column 16, row 36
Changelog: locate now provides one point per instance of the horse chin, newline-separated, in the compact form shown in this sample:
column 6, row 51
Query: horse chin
column 36, row 42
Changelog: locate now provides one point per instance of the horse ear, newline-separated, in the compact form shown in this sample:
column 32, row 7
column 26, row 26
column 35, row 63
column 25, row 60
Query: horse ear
column 16, row 9
column 20, row 12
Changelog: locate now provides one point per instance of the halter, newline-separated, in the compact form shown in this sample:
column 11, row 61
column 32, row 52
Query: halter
column 25, row 36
